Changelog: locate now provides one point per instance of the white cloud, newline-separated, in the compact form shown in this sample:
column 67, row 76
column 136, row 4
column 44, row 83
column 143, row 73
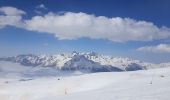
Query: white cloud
column 77, row 25
column 10, row 16
column 71, row 25
column 161, row 48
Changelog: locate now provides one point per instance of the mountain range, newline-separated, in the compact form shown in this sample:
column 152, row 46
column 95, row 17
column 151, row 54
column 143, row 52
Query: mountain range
column 85, row 62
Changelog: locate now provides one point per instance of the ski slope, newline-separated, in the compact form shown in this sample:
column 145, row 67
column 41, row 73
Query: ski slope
column 134, row 85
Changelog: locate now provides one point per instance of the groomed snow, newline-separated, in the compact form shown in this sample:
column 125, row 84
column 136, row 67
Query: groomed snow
column 134, row 85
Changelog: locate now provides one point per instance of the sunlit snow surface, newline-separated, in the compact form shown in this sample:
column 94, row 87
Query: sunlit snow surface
column 19, row 82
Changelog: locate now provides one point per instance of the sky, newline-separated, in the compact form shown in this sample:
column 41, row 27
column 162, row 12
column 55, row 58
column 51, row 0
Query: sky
column 138, row 29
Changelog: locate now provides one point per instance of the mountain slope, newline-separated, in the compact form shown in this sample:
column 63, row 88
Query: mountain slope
column 80, row 62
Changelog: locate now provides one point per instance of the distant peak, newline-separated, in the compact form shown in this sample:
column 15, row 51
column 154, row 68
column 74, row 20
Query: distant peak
column 75, row 53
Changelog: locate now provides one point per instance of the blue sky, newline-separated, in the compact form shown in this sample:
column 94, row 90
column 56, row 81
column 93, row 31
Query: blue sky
column 138, row 29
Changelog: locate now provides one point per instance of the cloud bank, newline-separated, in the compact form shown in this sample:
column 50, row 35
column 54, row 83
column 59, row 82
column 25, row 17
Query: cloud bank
column 161, row 48
column 76, row 25
column 72, row 25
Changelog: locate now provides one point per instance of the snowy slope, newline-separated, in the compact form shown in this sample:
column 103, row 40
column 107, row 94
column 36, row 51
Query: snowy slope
column 97, row 86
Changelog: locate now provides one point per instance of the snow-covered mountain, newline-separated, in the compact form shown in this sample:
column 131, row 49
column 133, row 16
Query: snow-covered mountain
column 90, row 62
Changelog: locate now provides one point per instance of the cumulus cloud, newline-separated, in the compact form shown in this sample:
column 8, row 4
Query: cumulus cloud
column 70, row 25
column 77, row 25
column 161, row 48
column 10, row 16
